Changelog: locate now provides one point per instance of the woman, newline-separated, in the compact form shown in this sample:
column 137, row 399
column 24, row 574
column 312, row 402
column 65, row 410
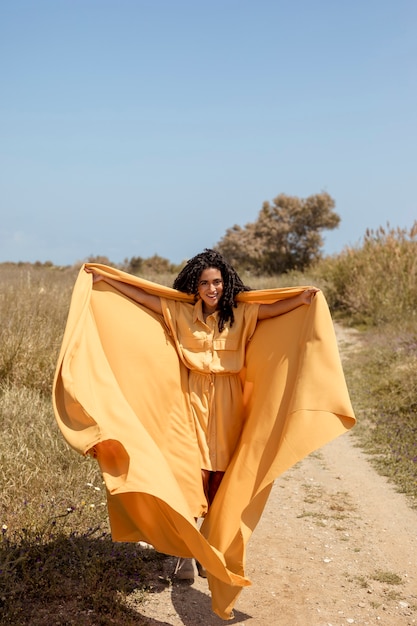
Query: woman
column 211, row 337
column 163, row 383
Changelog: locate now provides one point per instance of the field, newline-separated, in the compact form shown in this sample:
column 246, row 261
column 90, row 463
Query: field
column 57, row 562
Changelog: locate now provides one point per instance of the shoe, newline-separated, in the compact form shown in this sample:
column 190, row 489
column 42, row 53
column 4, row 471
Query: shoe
column 145, row 546
column 201, row 570
column 184, row 569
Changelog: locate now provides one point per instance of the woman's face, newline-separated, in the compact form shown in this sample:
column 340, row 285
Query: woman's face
column 210, row 289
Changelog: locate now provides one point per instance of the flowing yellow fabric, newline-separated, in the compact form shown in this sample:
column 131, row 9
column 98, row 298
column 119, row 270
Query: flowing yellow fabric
column 120, row 383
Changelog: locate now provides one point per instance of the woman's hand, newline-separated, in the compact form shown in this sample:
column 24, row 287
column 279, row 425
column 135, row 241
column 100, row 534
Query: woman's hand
column 96, row 277
column 307, row 296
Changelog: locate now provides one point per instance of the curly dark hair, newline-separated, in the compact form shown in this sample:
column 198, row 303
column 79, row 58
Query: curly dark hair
column 187, row 282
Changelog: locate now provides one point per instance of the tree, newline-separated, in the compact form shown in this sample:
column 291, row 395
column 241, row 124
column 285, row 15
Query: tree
column 286, row 235
column 156, row 264
column 152, row 265
column 133, row 265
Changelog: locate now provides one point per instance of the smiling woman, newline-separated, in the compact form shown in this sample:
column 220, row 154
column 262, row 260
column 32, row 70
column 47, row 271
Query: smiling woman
column 209, row 358
column 210, row 290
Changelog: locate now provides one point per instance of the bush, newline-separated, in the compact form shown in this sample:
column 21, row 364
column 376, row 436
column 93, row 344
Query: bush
column 377, row 282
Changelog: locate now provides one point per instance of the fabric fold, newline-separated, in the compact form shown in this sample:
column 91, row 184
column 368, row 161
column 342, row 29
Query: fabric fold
column 120, row 383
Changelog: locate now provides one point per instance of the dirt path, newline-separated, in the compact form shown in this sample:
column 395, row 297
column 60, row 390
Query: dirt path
column 336, row 545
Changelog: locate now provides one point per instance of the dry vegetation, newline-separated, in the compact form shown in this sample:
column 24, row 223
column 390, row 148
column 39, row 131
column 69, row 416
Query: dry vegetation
column 57, row 562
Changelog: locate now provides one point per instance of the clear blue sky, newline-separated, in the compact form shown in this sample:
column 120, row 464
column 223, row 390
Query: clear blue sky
column 129, row 128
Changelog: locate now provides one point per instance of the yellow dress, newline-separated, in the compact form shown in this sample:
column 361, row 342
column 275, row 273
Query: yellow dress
column 215, row 360
column 119, row 382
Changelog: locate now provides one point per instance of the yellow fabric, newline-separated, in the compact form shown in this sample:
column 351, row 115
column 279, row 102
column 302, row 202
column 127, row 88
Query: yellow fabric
column 200, row 344
column 216, row 400
column 119, row 382
column 217, row 405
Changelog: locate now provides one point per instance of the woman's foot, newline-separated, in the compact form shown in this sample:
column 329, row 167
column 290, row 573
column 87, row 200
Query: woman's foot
column 184, row 569
column 201, row 570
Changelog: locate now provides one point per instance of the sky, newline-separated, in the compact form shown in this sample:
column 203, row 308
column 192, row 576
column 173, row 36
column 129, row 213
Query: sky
column 130, row 128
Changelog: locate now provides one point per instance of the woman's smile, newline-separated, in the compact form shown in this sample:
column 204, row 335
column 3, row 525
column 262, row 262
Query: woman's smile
column 210, row 289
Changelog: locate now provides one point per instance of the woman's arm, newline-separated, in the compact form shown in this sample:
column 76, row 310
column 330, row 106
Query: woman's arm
column 284, row 306
column 134, row 293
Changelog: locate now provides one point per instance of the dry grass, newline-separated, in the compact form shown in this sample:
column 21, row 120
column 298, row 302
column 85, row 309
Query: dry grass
column 58, row 564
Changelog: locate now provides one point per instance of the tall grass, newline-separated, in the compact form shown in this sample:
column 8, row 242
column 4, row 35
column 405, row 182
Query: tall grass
column 33, row 304
column 57, row 562
column 375, row 283
column 382, row 379
column 374, row 287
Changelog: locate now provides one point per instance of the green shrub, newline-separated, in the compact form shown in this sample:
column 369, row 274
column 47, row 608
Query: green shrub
column 375, row 283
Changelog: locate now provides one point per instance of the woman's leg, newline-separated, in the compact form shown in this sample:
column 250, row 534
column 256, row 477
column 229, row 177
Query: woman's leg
column 215, row 480
column 211, row 483
column 205, row 477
